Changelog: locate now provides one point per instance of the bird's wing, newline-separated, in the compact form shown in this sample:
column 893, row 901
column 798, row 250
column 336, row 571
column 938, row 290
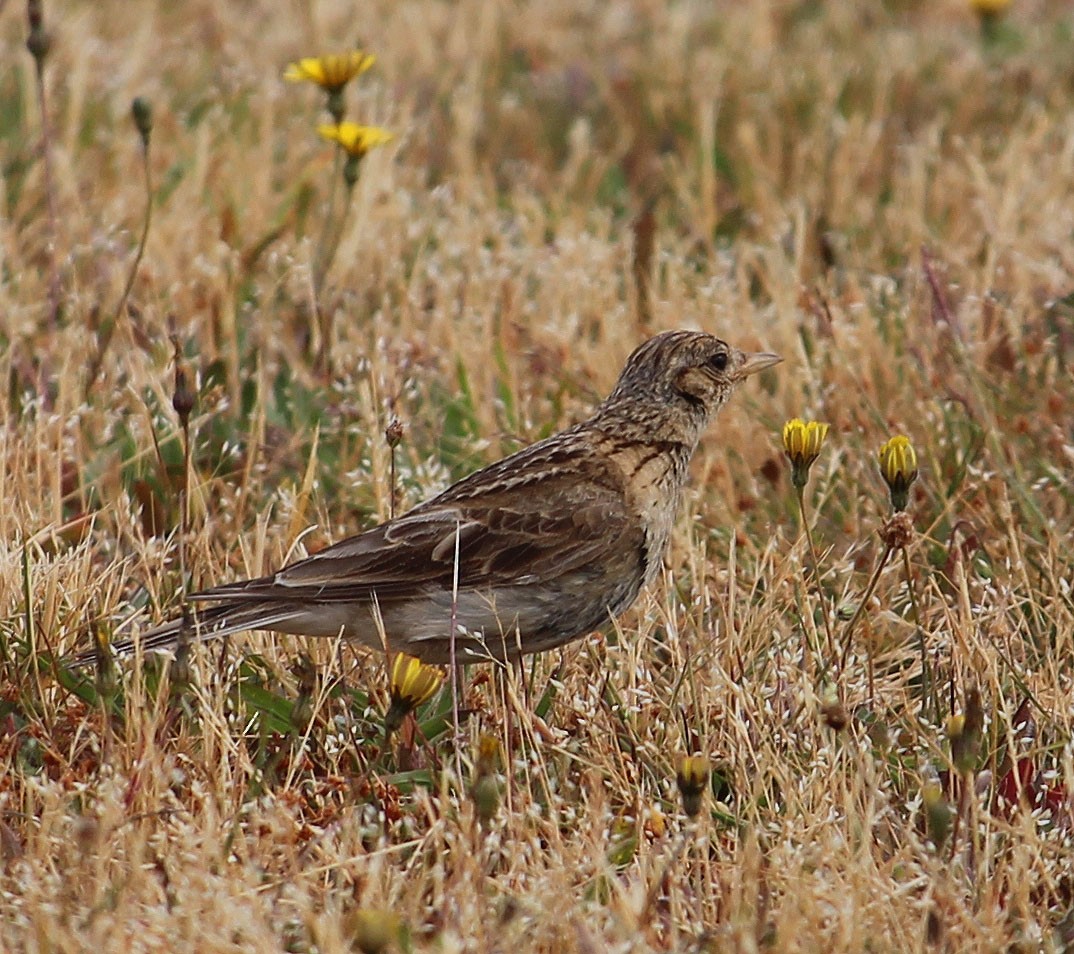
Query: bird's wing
column 524, row 529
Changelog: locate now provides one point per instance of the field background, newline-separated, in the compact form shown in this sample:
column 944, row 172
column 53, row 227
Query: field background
column 880, row 192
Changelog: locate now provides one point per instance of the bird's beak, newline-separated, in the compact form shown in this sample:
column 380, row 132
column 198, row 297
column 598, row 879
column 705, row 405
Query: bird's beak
column 757, row 362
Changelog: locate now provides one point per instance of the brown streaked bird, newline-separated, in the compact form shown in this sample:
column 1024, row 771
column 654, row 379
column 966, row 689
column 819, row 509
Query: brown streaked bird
column 526, row 554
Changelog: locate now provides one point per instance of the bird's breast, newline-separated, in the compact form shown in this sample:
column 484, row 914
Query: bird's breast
column 654, row 474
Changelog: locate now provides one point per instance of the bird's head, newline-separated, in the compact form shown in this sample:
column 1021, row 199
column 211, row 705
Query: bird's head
column 689, row 371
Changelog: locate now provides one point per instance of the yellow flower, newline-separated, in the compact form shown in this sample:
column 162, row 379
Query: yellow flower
column 412, row 683
column 356, row 140
column 692, row 777
column 802, row 441
column 898, row 467
column 331, row 72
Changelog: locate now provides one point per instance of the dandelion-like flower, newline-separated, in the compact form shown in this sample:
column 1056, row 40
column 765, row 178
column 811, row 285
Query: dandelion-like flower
column 802, row 441
column 692, row 777
column 355, row 139
column 412, row 683
column 898, row 467
column 331, row 72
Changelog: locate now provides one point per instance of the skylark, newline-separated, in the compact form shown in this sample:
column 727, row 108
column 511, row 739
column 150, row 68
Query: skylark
column 524, row 555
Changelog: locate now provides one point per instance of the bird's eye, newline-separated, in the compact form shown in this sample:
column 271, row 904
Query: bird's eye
column 718, row 362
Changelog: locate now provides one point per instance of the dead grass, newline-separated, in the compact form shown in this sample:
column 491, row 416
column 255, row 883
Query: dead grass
column 875, row 193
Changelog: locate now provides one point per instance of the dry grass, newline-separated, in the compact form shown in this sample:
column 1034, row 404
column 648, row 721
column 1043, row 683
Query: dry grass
column 797, row 158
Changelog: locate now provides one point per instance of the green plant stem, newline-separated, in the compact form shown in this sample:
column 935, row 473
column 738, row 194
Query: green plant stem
column 323, row 255
column 31, row 627
column 816, row 570
column 320, row 252
column 146, row 221
column 928, row 688
column 873, row 580
column 107, row 332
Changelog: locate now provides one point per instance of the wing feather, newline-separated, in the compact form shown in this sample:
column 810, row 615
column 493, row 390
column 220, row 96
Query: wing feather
column 508, row 534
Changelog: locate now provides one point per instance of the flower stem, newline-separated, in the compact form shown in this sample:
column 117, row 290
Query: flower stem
column 39, row 44
column 320, row 268
column 873, row 580
column 816, row 569
column 928, row 688
column 323, row 254
column 107, row 332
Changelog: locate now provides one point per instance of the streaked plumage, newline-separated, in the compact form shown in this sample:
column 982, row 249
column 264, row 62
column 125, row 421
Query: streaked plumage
column 549, row 542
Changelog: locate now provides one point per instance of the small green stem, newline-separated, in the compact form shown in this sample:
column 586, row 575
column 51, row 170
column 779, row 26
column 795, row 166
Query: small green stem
column 874, row 579
column 325, row 319
column 320, row 265
column 107, row 331
column 337, row 234
column 927, row 686
column 146, row 220
column 816, row 569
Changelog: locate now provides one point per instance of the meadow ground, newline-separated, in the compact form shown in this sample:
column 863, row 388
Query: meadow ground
column 881, row 192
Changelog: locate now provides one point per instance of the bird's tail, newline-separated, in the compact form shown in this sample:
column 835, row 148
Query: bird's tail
column 198, row 625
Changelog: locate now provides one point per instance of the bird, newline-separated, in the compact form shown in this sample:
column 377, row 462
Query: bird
column 522, row 556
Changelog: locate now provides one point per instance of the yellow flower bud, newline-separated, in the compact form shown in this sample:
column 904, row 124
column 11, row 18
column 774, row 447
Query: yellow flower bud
column 898, row 467
column 802, row 441
column 692, row 777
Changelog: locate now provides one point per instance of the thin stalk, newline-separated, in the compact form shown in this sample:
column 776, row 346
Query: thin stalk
column 108, row 331
column 147, row 178
column 184, row 508
column 816, row 570
column 325, row 319
column 391, row 482
column 322, row 260
column 456, row 670
column 38, row 44
column 873, row 580
column 183, row 400
column 927, row 686
column 319, row 251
